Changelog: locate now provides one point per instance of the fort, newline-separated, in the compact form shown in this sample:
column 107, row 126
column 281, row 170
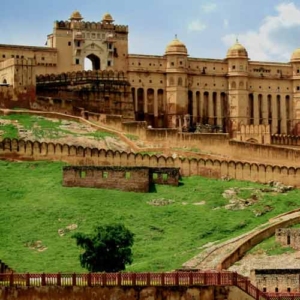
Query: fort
column 242, row 116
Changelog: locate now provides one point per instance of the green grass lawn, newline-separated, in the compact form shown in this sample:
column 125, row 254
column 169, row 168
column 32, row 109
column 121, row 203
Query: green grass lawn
column 34, row 206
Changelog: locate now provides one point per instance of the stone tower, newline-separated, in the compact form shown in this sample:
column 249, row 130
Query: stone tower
column 176, row 88
column 104, row 43
column 237, row 59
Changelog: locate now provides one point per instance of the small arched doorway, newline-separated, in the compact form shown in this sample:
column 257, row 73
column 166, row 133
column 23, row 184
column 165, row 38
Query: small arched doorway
column 4, row 81
column 92, row 62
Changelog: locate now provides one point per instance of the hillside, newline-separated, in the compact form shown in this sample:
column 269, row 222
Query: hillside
column 38, row 217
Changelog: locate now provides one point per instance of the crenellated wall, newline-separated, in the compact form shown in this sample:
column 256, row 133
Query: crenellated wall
column 29, row 150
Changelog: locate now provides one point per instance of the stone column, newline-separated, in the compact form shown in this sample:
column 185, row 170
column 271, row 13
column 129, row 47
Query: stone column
column 210, row 109
column 283, row 116
column 195, row 107
column 255, row 109
column 136, row 99
column 155, row 108
column 265, row 109
column 219, row 110
column 274, row 126
column 200, row 108
column 145, row 101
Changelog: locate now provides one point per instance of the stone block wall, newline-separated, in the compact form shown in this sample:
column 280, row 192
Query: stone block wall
column 133, row 179
column 288, row 237
column 276, row 280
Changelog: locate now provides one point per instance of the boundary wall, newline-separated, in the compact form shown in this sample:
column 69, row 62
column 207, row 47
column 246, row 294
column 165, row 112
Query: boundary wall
column 78, row 155
column 170, row 140
column 237, row 253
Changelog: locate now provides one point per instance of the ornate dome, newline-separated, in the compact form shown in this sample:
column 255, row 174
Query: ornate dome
column 176, row 47
column 107, row 18
column 237, row 50
column 76, row 15
column 296, row 55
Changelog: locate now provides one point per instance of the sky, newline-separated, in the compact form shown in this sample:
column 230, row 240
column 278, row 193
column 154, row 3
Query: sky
column 269, row 29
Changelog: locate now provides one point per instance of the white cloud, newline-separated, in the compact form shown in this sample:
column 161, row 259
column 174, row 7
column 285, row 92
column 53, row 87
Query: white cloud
column 209, row 7
column 196, row 25
column 276, row 38
column 225, row 23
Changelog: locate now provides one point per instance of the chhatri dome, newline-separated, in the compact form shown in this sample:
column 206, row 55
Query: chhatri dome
column 237, row 50
column 296, row 55
column 176, row 47
column 76, row 15
column 107, row 18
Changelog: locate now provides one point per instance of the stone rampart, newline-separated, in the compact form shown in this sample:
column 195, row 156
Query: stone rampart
column 124, row 293
column 78, row 155
column 237, row 253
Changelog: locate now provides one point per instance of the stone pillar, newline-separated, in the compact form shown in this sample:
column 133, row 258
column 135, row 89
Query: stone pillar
column 283, row 116
column 219, row 110
column 200, row 108
column 265, row 109
column 155, row 108
column 136, row 99
column 145, row 101
column 274, row 126
column 210, row 108
column 255, row 109
column 195, row 107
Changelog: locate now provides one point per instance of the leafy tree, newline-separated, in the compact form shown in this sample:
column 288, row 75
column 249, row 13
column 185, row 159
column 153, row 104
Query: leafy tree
column 108, row 249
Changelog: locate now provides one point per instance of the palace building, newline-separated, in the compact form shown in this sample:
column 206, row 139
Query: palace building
column 172, row 90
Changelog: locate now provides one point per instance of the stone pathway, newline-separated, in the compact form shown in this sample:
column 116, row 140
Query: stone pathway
column 212, row 255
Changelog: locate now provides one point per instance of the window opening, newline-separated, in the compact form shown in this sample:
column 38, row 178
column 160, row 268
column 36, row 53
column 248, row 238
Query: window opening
column 82, row 174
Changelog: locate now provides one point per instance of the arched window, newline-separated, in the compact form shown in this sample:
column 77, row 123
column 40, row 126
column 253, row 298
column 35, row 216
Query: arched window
column 4, row 81
column 241, row 84
column 233, row 85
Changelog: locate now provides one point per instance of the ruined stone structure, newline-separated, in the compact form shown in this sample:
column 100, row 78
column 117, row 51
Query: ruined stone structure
column 276, row 280
column 288, row 237
column 172, row 90
column 132, row 179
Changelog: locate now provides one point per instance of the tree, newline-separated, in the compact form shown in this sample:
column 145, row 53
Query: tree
column 108, row 249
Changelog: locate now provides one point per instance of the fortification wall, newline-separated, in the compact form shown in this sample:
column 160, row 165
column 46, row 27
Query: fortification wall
column 253, row 240
column 29, row 150
column 291, row 140
column 124, row 293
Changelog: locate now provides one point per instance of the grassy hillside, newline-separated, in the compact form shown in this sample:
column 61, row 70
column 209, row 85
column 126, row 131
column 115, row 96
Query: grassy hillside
column 39, row 127
column 34, row 206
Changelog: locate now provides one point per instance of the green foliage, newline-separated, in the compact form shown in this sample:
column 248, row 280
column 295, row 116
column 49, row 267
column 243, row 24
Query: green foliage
column 34, row 206
column 107, row 250
column 9, row 131
column 271, row 247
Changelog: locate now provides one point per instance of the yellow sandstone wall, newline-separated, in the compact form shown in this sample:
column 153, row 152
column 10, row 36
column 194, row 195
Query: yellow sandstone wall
column 28, row 150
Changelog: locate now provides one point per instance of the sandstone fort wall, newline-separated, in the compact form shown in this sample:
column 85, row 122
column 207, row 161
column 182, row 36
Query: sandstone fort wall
column 124, row 293
column 77, row 155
